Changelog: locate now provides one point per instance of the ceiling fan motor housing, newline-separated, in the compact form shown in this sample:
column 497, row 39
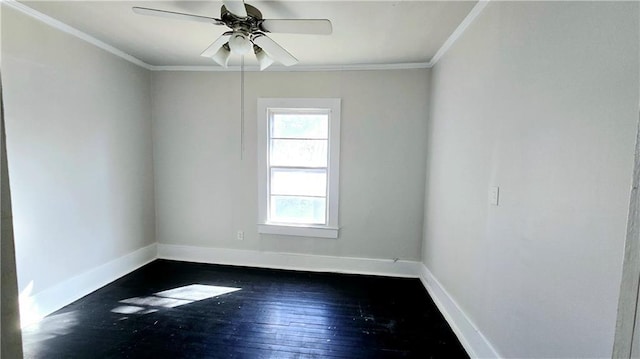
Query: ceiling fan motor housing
column 246, row 25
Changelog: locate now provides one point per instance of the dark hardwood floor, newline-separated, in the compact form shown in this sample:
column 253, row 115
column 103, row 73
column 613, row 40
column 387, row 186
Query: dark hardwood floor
column 170, row 309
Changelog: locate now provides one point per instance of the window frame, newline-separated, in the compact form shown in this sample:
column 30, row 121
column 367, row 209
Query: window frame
column 331, row 228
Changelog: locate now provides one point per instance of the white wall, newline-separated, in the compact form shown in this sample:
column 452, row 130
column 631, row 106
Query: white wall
column 79, row 150
column 205, row 192
column 541, row 99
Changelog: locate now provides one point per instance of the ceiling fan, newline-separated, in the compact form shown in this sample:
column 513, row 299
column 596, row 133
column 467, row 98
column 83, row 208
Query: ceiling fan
column 248, row 32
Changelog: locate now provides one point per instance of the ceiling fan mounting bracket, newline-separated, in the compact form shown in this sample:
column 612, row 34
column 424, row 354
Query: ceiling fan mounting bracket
column 246, row 25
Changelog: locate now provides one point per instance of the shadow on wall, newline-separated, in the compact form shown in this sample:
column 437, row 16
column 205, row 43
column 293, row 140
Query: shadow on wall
column 11, row 339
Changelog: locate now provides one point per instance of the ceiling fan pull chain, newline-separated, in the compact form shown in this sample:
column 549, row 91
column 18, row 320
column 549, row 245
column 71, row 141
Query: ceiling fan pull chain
column 242, row 107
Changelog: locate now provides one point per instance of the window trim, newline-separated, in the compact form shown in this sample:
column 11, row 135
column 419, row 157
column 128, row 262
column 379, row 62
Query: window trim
column 331, row 229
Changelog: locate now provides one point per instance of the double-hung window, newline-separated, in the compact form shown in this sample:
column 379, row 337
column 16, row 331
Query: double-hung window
column 298, row 159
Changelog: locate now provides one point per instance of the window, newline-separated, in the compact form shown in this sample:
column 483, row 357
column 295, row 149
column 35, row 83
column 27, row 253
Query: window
column 298, row 159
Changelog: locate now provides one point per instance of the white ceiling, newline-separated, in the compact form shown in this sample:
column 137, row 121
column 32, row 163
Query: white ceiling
column 364, row 32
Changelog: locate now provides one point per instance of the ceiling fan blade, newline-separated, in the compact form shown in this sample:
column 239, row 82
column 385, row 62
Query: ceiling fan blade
column 236, row 7
column 216, row 45
column 176, row 15
column 297, row 26
column 274, row 50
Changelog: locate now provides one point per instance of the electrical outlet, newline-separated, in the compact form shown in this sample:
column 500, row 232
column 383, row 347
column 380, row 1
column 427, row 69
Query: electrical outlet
column 240, row 236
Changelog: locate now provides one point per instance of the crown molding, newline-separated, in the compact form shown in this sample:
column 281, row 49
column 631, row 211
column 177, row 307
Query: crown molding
column 455, row 35
column 74, row 32
column 299, row 68
column 475, row 11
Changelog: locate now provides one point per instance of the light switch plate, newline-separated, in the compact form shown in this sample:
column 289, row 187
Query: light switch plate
column 494, row 194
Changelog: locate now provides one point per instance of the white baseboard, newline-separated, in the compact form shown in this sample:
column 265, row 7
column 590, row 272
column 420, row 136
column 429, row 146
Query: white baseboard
column 35, row 307
column 476, row 344
column 292, row 261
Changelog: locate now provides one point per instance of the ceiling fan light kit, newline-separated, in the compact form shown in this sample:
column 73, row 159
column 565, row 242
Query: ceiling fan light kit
column 248, row 32
column 264, row 60
column 222, row 56
column 240, row 44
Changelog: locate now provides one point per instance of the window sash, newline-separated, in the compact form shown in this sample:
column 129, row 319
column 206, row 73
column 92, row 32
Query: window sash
column 282, row 153
column 269, row 223
column 323, row 133
column 305, row 209
column 300, row 172
column 321, row 167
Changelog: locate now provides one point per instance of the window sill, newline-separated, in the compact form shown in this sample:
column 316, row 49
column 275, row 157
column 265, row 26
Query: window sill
column 301, row 231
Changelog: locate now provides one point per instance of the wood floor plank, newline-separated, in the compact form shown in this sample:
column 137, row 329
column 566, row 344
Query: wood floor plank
column 162, row 311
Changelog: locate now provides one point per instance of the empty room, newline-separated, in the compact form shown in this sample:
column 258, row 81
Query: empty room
column 320, row 179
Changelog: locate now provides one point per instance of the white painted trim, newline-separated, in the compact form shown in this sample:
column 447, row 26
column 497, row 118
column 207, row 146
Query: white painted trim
column 305, row 231
column 455, row 35
column 300, row 68
column 473, row 341
column 115, row 51
column 54, row 298
column 74, row 32
column 627, row 329
column 290, row 261
column 475, row 11
column 43, row 303
column 330, row 106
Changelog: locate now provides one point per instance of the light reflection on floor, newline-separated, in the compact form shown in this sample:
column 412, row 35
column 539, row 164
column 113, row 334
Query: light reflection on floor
column 171, row 298
column 62, row 324
column 50, row 327
column 167, row 311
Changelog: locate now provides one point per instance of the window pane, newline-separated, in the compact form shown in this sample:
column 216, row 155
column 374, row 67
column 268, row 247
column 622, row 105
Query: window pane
column 303, row 210
column 299, row 153
column 299, row 182
column 300, row 126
